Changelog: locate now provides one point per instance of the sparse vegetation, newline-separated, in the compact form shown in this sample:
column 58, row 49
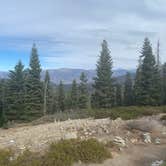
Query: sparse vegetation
column 62, row 153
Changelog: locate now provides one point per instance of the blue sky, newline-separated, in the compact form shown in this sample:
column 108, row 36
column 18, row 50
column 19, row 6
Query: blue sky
column 68, row 33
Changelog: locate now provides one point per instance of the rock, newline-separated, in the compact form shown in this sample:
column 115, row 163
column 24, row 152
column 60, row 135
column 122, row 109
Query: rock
column 157, row 141
column 12, row 141
column 134, row 140
column 71, row 135
column 119, row 141
column 157, row 163
column 147, row 138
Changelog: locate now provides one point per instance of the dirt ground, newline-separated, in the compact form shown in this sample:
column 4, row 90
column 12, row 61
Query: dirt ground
column 135, row 153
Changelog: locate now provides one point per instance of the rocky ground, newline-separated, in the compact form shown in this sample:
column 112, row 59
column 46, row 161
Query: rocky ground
column 139, row 142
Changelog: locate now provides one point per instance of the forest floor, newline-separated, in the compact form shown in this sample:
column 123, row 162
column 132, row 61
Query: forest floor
column 142, row 141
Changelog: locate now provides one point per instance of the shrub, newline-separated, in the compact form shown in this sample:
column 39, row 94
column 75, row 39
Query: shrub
column 91, row 151
column 5, row 157
column 27, row 158
column 66, row 152
column 63, row 153
column 164, row 164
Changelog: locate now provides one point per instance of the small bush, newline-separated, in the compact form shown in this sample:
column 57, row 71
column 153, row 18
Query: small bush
column 66, row 152
column 5, row 157
column 63, row 153
column 164, row 164
column 91, row 151
column 27, row 158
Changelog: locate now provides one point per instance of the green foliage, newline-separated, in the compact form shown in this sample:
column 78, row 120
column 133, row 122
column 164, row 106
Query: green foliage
column 118, row 95
column 66, row 152
column 147, row 86
column 48, row 95
column 128, row 91
column 83, row 92
column 74, row 95
column 127, row 113
column 27, row 158
column 164, row 84
column 164, row 164
column 103, row 86
column 91, row 151
column 16, row 93
column 62, row 153
column 5, row 157
column 61, row 97
column 34, row 87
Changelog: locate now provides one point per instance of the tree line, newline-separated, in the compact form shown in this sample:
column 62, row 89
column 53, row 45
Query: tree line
column 24, row 97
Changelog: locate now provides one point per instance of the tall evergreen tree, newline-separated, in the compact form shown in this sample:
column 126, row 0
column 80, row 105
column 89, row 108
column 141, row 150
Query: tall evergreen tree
column 103, row 86
column 148, row 92
column 83, row 91
column 34, row 87
column 137, row 85
column 3, row 103
column 74, row 95
column 48, row 95
column 119, row 97
column 164, row 84
column 16, row 93
column 61, row 97
column 128, row 91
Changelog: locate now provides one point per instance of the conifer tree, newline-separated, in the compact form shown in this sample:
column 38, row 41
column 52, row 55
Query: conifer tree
column 164, row 84
column 48, row 94
column 128, row 91
column 16, row 93
column 83, row 91
column 148, row 90
column 34, row 87
column 3, row 103
column 61, row 97
column 119, row 98
column 74, row 95
column 137, row 85
column 103, row 85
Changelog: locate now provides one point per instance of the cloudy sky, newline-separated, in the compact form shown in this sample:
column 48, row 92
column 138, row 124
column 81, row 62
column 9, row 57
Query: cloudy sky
column 68, row 33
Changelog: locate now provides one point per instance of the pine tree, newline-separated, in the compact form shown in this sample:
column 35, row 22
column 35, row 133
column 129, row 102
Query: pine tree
column 137, row 85
column 3, row 103
column 61, row 97
column 128, row 91
column 83, row 91
column 164, row 84
column 16, row 93
column 147, row 89
column 103, row 86
column 119, row 99
column 48, row 95
column 74, row 95
column 34, row 87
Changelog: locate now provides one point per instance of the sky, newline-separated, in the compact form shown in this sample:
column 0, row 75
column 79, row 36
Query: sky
column 68, row 33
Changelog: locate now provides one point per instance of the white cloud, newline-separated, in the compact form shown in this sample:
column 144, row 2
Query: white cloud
column 69, row 32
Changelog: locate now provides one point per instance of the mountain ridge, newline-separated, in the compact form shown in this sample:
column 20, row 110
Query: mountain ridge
column 68, row 74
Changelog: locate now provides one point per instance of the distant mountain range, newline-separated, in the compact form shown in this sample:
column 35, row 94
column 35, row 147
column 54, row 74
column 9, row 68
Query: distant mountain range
column 67, row 75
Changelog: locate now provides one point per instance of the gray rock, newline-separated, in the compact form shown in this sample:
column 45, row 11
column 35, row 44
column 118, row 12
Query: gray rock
column 147, row 138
